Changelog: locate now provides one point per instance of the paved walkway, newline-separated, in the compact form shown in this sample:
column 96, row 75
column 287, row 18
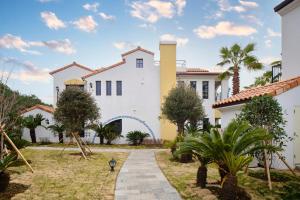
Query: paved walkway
column 140, row 178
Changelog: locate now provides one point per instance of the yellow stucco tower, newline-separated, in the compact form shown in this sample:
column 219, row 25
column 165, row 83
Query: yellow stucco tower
column 167, row 82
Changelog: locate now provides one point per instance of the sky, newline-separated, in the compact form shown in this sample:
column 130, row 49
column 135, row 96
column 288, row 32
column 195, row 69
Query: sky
column 38, row 36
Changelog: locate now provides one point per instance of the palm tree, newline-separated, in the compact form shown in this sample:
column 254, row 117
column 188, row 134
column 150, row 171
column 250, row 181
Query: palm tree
column 32, row 122
column 232, row 150
column 235, row 57
column 193, row 144
column 100, row 129
column 58, row 129
column 111, row 133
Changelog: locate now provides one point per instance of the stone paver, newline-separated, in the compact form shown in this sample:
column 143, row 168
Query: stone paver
column 140, row 178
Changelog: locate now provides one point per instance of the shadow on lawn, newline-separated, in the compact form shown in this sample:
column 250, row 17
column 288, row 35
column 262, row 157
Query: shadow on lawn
column 12, row 190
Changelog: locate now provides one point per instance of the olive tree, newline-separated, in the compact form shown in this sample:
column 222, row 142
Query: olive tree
column 181, row 105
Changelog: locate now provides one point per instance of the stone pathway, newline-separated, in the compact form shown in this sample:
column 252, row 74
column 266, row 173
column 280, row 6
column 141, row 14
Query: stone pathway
column 140, row 178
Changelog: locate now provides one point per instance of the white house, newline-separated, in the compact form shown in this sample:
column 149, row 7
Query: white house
column 131, row 91
column 286, row 92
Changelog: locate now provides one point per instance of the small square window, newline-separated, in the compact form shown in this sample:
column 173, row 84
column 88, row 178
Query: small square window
column 139, row 63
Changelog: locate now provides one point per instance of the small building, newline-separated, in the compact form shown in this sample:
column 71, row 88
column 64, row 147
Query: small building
column 286, row 92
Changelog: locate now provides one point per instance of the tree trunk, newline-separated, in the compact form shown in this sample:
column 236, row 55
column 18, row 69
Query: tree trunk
column 223, row 171
column 32, row 135
column 61, row 137
column 236, row 80
column 180, row 127
column 108, row 142
column 101, row 139
column 229, row 188
column 201, row 176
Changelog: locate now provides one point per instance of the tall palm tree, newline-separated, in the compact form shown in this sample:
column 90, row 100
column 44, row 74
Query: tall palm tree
column 236, row 57
column 32, row 122
column 58, row 129
column 233, row 149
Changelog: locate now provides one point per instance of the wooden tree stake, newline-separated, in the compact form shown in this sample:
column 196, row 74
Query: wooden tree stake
column 284, row 161
column 80, row 146
column 267, row 169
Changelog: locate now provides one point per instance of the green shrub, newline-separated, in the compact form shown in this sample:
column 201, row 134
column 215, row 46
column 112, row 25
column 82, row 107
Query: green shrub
column 275, row 176
column 291, row 190
column 136, row 137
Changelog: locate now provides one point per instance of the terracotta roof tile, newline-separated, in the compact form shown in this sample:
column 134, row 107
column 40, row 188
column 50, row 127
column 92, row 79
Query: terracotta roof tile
column 41, row 107
column 137, row 49
column 70, row 65
column 272, row 89
column 104, row 69
column 196, row 70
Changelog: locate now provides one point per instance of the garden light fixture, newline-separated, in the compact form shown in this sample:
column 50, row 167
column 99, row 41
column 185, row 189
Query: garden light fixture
column 112, row 163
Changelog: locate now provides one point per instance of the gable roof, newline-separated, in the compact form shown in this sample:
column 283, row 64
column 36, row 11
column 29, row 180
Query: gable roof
column 272, row 89
column 104, row 69
column 41, row 107
column 282, row 5
column 71, row 65
column 137, row 49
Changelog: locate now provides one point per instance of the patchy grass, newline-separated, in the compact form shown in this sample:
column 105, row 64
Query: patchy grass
column 66, row 176
column 183, row 178
column 120, row 146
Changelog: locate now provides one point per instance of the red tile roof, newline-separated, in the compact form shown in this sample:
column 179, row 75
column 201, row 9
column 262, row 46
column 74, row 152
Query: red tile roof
column 70, row 65
column 272, row 89
column 137, row 49
column 104, row 69
column 41, row 107
column 196, row 70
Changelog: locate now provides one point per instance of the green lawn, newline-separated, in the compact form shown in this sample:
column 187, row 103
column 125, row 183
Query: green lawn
column 66, row 176
column 183, row 178
column 120, row 146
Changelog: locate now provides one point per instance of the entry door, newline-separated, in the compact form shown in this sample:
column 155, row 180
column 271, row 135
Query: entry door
column 297, row 132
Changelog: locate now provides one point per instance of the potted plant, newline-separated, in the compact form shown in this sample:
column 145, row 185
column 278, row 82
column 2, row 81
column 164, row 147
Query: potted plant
column 4, row 176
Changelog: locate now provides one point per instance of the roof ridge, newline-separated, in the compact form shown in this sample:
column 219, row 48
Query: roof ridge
column 46, row 108
column 138, row 48
column 70, row 65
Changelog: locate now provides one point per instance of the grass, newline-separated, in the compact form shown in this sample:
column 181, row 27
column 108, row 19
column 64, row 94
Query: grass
column 183, row 178
column 122, row 146
column 65, row 176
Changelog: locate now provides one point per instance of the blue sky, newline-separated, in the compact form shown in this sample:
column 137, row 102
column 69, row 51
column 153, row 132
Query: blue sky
column 37, row 36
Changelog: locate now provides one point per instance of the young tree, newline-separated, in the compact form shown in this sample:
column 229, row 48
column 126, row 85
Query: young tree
column 76, row 108
column 32, row 122
column 235, row 57
column 182, row 104
column 58, row 129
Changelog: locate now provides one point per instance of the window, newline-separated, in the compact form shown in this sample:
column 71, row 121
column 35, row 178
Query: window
column 108, row 88
column 193, row 84
column 98, row 88
column 206, row 124
column 119, row 88
column 139, row 63
column 205, row 89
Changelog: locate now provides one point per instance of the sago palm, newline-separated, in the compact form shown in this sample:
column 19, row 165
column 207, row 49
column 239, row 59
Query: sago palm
column 32, row 122
column 236, row 57
column 58, row 129
column 232, row 150
column 100, row 129
column 193, row 144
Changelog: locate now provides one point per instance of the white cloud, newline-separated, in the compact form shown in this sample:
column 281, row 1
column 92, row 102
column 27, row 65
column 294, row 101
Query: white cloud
column 268, row 43
column 124, row 45
column 181, row 41
column 51, row 20
column 180, row 4
column 106, row 16
column 268, row 60
column 15, row 42
column 148, row 26
column 252, row 19
column 91, row 7
column 224, row 28
column 62, row 46
column 87, row 24
column 152, row 10
column 26, row 72
column 272, row 33
column 249, row 4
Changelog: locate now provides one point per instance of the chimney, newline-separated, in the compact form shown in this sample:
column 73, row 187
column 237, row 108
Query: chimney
column 167, row 82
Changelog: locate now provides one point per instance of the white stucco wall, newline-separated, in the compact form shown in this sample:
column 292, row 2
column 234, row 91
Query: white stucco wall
column 229, row 113
column 291, row 40
column 140, row 94
column 207, row 103
column 42, row 134
column 59, row 78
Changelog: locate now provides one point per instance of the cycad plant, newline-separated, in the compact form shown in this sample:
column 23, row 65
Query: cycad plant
column 4, row 176
column 236, row 57
column 136, row 137
column 58, row 129
column 100, row 129
column 32, row 122
column 111, row 134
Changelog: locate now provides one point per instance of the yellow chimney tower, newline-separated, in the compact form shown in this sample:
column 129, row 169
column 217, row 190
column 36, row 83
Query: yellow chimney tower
column 167, row 82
